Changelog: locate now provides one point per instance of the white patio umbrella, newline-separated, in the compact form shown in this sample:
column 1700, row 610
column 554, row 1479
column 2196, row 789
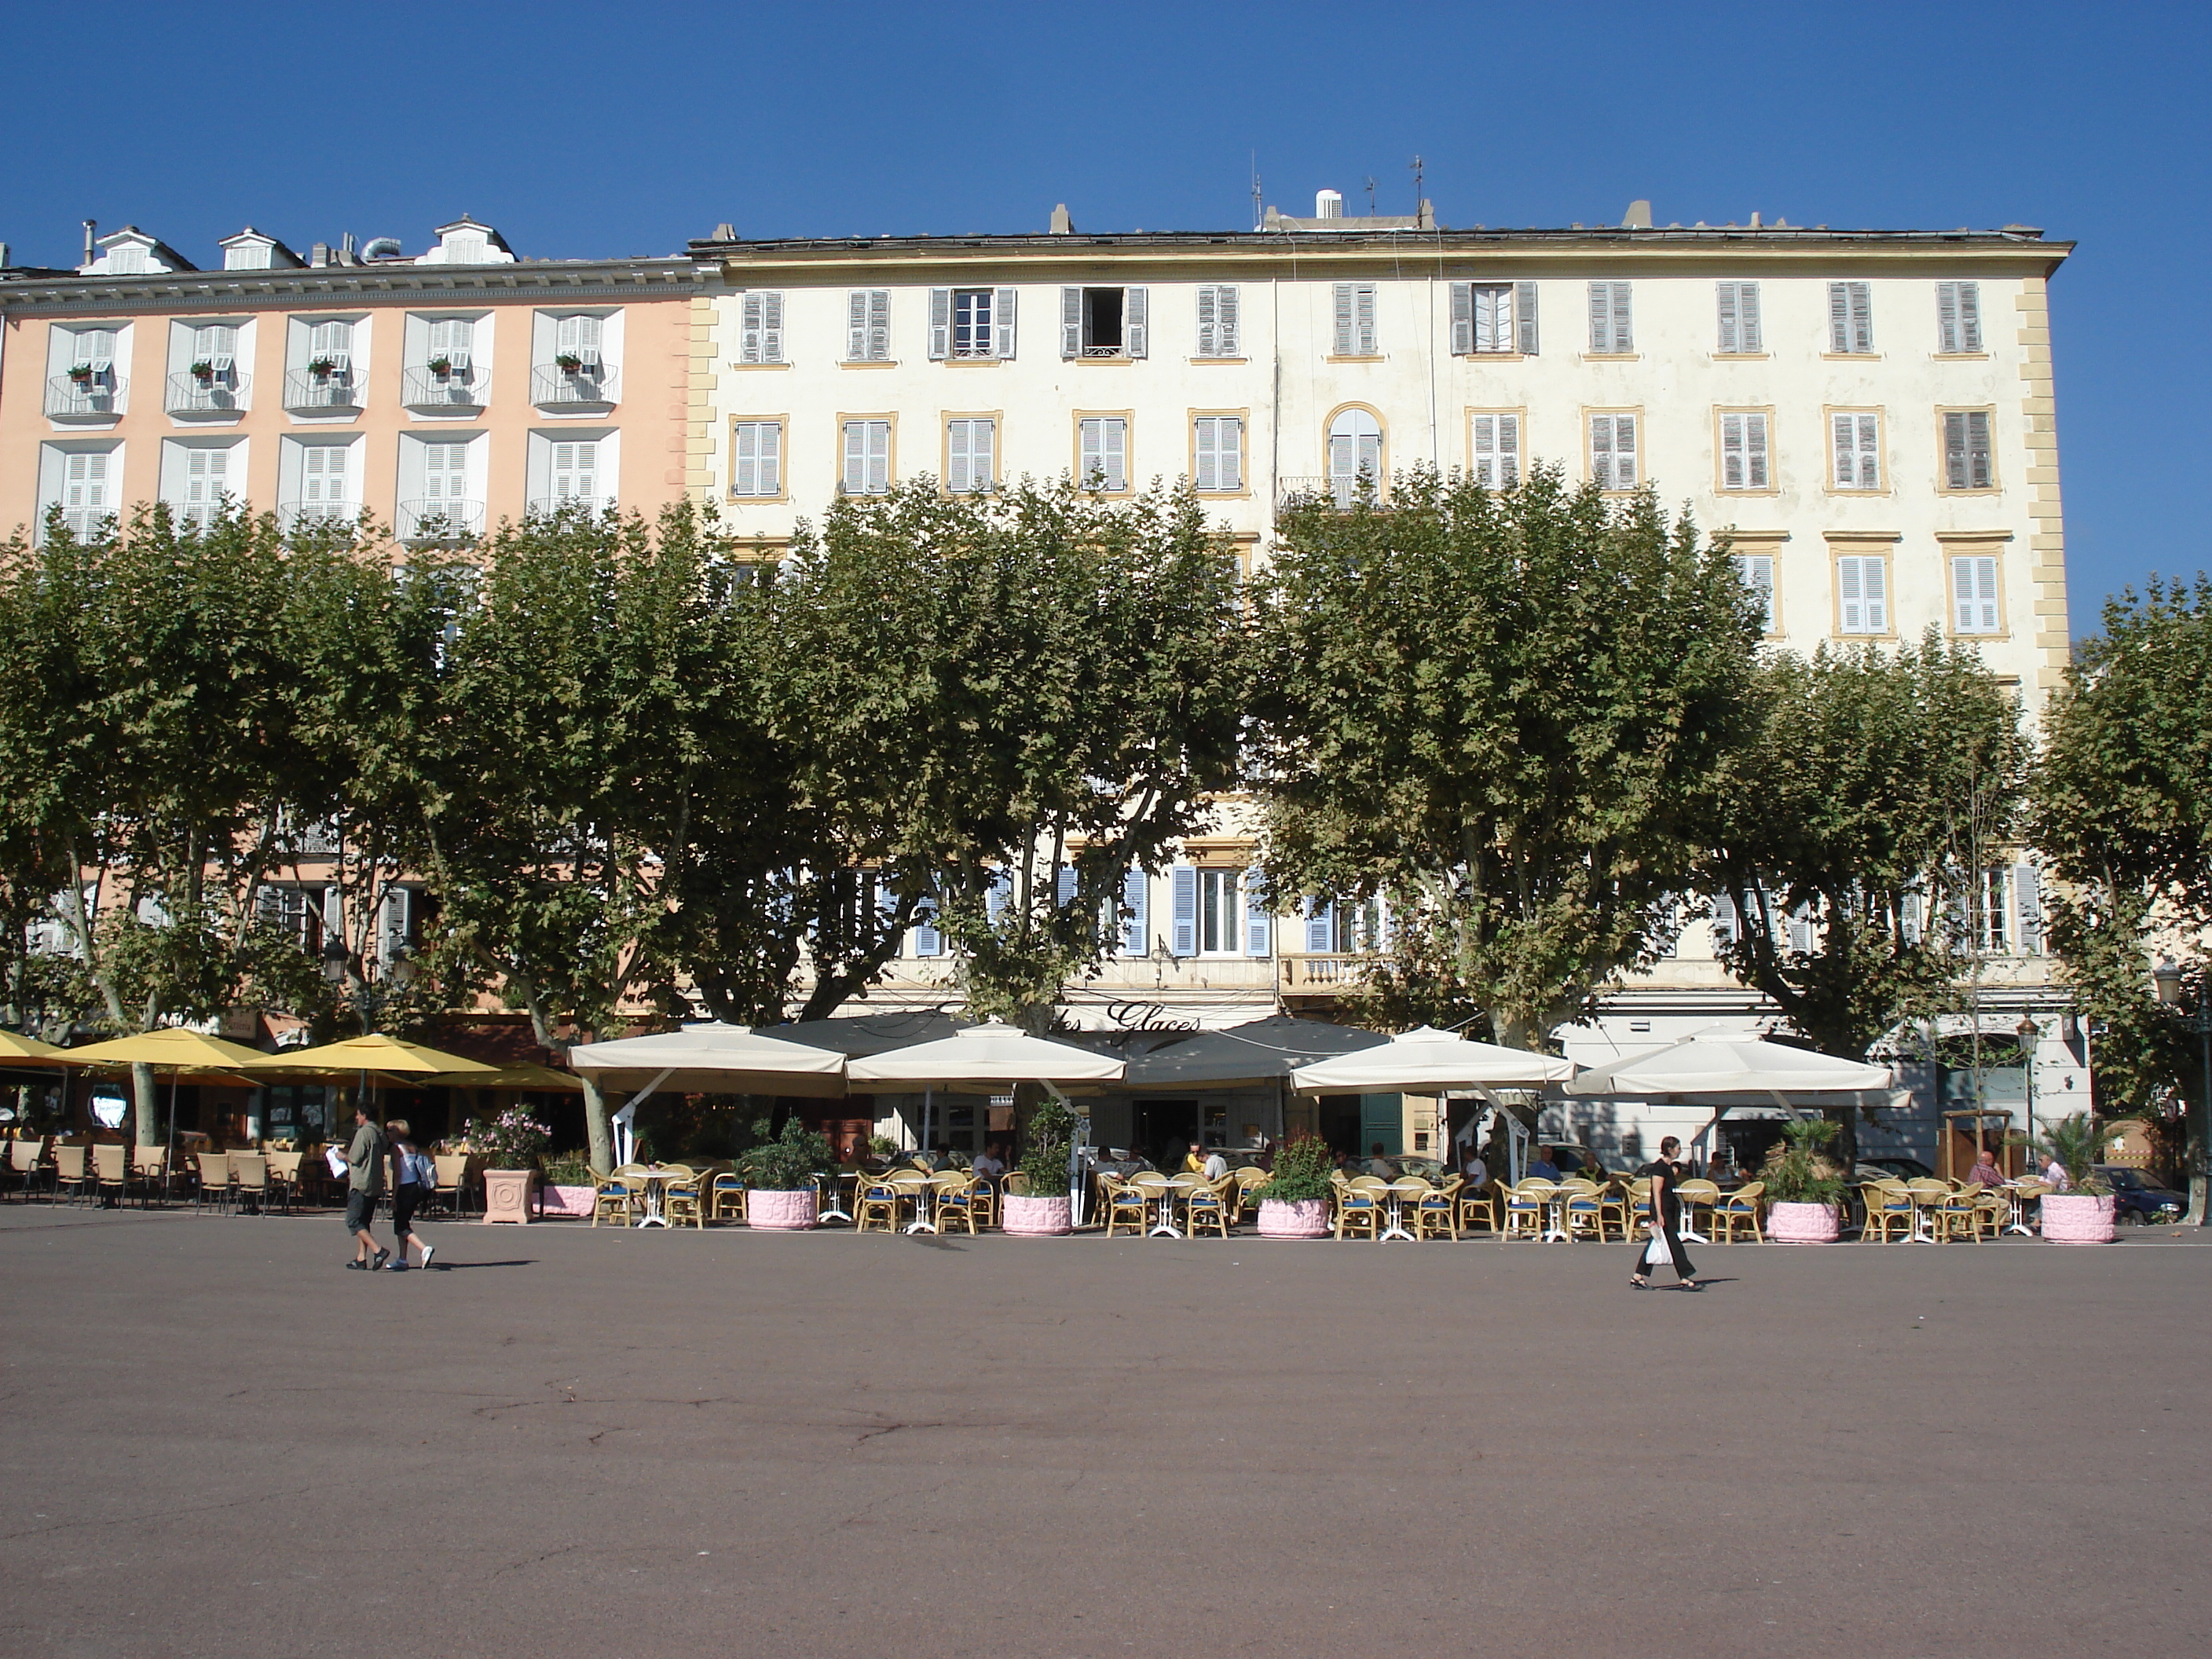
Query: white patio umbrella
column 988, row 1058
column 1720, row 1062
column 706, row 1058
column 1427, row 1061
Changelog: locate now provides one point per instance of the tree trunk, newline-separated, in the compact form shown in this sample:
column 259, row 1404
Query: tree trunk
column 145, row 1106
column 599, row 1127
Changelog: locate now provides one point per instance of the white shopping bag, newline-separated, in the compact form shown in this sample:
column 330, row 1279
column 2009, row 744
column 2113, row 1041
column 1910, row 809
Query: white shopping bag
column 1655, row 1254
column 336, row 1160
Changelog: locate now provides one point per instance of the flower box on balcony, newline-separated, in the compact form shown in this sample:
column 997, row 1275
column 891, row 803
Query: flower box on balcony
column 203, row 371
column 322, row 367
column 440, row 367
column 569, row 364
column 81, row 373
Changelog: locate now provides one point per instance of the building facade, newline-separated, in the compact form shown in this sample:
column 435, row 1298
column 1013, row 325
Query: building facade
column 438, row 394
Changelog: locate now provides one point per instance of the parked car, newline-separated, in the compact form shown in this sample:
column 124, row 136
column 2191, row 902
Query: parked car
column 1904, row 1168
column 2139, row 1200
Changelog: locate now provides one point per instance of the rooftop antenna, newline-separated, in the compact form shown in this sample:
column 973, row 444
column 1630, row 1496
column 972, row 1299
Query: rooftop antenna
column 1259, row 212
column 1371, row 196
column 1416, row 165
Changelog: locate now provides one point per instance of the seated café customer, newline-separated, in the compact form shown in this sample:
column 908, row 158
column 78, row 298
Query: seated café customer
column 1193, row 1161
column 1542, row 1167
column 1379, row 1165
column 1475, row 1169
column 1985, row 1172
column 2055, row 1175
column 986, row 1167
column 1215, row 1166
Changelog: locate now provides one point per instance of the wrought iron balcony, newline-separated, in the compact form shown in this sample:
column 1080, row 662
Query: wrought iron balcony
column 457, row 388
column 593, row 386
column 304, row 389
column 221, row 394
column 87, row 523
column 1337, row 491
column 590, row 505
column 424, row 522
column 99, row 398
column 301, row 517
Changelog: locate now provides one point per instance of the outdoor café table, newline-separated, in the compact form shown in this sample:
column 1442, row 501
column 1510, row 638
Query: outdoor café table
column 1405, row 1187
column 915, row 1187
column 831, row 1183
column 2011, row 1190
column 1181, row 1186
column 651, row 1178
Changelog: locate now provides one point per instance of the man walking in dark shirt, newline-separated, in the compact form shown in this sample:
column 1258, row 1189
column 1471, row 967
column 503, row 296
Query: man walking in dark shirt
column 364, row 1184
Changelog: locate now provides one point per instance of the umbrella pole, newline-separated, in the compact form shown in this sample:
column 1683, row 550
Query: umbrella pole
column 928, row 1097
column 169, row 1156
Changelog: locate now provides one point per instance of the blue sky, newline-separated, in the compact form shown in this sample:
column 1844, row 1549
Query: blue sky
column 583, row 130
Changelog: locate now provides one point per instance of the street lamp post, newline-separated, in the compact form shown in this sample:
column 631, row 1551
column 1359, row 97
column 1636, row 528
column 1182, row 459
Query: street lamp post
column 2031, row 1036
column 2166, row 977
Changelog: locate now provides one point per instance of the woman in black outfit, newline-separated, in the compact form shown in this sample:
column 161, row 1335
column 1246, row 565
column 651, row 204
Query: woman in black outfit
column 1665, row 1174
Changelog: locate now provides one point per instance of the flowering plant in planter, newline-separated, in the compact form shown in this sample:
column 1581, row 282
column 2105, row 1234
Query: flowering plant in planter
column 440, row 366
column 569, row 364
column 322, row 367
column 81, row 373
column 512, row 1140
column 203, row 370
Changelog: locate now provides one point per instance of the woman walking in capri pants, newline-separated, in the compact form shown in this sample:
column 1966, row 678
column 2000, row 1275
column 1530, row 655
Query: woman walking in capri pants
column 1665, row 1174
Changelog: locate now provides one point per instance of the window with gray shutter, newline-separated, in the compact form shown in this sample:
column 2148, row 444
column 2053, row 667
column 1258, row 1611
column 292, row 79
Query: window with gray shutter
column 940, row 324
column 1217, row 452
column 1612, row 320
column 1613, row 451
column 1259, row 920
column 970, row 458
column 760, row 331
column 1216, row 320
column 2027, row 909
column 867, row 458
column 1494, row 450
column 974, row 313
column 1102, row 322
column 1002, row 323
column 1482, row 319
column 1725, row 926
column 1354, row 317
column 868, row 326
column 1862, row 593
column 332, row 343
column 1974, row 594
column 1743, row 450
column 1856, row 445
column 1524, row 317
column 757, row 458
column 1105, row 452
column 1739, row 317
column 1850, row 318
column 1134, row 923
column 1958, row 317
column 1967, row 460
column 1756, row 571
column 1183, row 928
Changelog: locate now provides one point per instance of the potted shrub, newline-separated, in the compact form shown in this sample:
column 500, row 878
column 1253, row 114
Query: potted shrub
column 322, row 367
column 1043, row 1212
column 510, row 1145
column 81, row 373
column 203, row 370
column 1294, row 1204
column 784, row 1198
column 440, row 366
column 1803, row 1186
column 2084, row 1213
column 565, row 1186
column 569, row 364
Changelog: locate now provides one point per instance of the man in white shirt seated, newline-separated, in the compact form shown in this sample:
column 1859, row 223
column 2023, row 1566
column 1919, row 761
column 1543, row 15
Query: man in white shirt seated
column 987, row 1166
column 1475, row 1169
column 1215, row 1166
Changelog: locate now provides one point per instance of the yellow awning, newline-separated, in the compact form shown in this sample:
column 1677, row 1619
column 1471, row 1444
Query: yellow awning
column 16, row 1050
column 525, row 1074
column 175, row 1048
column 390, row 1056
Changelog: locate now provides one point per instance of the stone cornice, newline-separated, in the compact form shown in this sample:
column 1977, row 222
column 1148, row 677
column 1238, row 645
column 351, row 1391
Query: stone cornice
column 326, row 287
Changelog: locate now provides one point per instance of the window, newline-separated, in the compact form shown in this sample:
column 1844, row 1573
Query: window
column 1756, row 571
column 1216, row 321
column 94, row 348
column 216, row 344
column 760, row 328
column 204, row 479
column 1958, row 317
column 1355, row 319
column 84, row 498
column 445, row 472
column 579, row 337
column 1974, row 594
column 323, row 480
column 294, row 912
column 970, row 455
column 1612, row 330
column 1494, row 450
column 1493, row 317
column 1217, row 452
column 1856, row 442
column 757, row 458
column 1850, row 318
column 1739, row 317
column 1355, row 456
column 1613, row 451
column 451, row 342
column 1130, row 919
column 330, row 344
column 1862, row 593
column 1104, row 457
column 1102, row 322
column 971, row 322
column 1743, row 449
column 1220, row 913
column 1967, row 460
column 867, row 458
column 576, row 472
column 868, row 326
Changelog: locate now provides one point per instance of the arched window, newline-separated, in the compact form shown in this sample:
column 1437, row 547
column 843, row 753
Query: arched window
column 1355, row 450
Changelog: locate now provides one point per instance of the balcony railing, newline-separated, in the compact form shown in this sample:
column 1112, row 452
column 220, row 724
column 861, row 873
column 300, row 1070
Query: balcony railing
column 458, row 388
column 552, row 386
column 96, row 399
column 86, row 523
column 1336, row 971
column 449, row 520
column 547, row 506
column 1339, row 493
column 212, row 394
column 306, row 390
column 299, row 518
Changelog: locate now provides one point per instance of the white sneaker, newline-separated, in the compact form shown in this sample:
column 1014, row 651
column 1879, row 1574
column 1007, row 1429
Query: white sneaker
column 429, row 1250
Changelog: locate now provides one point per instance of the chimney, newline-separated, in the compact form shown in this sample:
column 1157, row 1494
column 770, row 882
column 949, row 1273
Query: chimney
column 1061, row 224
column 1638, row 217
column 91, row 228
column 725, row 232
column 3, row 256
column 1328, row 204
column 320, row 254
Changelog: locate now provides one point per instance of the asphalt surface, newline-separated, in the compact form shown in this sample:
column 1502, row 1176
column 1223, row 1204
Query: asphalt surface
column 218, row 1442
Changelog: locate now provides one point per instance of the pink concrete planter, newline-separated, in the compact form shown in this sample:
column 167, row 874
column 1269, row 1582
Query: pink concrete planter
column 1295, row 1217
column 2078, row 1218
column 781, row 1213
column 1804, row 1224
column 1035, row 1218
column 565, row 1201
column 507, row 1195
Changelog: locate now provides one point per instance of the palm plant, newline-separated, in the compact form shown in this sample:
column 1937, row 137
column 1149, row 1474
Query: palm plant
column 2075, row 1143
column 1800, row 1175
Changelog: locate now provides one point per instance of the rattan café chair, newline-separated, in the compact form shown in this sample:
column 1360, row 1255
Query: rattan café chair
column 1127, row 1205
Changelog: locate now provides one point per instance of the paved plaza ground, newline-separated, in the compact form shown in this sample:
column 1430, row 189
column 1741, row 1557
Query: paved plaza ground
column 638, row 1444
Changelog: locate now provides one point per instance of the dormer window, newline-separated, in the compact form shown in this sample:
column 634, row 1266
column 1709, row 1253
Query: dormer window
column 466, row 242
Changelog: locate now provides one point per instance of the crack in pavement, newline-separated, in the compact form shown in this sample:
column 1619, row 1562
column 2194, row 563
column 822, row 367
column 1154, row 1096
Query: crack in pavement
column 157, row 1515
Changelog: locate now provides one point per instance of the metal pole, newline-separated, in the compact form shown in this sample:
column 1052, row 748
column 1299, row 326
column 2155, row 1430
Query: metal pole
column 2197, row 1176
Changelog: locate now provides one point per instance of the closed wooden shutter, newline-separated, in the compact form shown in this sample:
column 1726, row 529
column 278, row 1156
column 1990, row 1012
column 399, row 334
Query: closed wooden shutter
column 323, row 474
column 576, row 470
column 867, row 457
column 1320, row 928
column 1739, row 317
column 1218, row 452
column 757, row 458
column 752, row 329
column 1726, row 926
column 856, row 326
column 1182, row 926
column 1355, row 319
column 1850, row 317
column 1002, row 322
column 1136, row 894
column 578, row 336
column 940, row 324
column 1858, row 446
column 207, row 474
column 84, row 482
column 1967, row 464
column 1743, row 451
column 1342, row 316
column 2027, row 909
column 1105, row 452
column 1958, row 317
column 1463, row 318
column 1494, row 442
column 1613, row 451
column 216, row 343
column 1135, row 334
column 445, row 471
column 1524, row 317
column 928, row 941
column 968, row 455
column 1974, row 594
column 1862, row 590
column 1756, row 571
column 1259, row 921
column 333, row 342
column 1209, row 321
column 1070, row 322
column 1612, row 319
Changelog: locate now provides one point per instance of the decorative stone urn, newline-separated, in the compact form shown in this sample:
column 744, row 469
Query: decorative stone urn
column 507, row 1195
column 782, row 1211
column 2078, row 1218
column 1027, row 1216
column 1294, row 1218
column 1804, row 1224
